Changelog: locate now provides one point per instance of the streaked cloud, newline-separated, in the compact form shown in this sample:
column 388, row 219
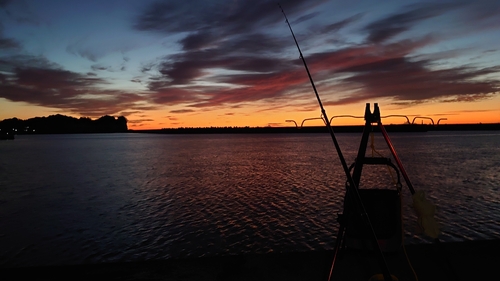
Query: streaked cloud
column 217, row 40
column 387, row 27
column 203, row 55
column 36, row 81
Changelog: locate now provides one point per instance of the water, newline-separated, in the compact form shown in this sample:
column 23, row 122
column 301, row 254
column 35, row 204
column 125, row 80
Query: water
column 72, row 199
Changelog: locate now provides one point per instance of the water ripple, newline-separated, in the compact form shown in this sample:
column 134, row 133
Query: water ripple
column 131, row 197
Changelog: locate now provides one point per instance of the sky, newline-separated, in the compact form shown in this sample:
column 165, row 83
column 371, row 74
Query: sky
column 197, row 63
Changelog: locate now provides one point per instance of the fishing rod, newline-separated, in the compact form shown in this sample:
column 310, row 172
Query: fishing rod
column 352, row 187
column 323, row 111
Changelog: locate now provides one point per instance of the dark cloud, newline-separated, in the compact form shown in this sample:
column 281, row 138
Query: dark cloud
column 228, row 18
column 199, row 40
column 127, row 112
column 172, row 16
column 484, row 11
column 411, row 82
column 4, row 3
column 97, row 67
column 232, row 28
column 52, row 78
column 93, row 48
column 471, row 110
column 305, row 18
column 234, row 39
column 341, row 24
column 182, row 111
column 7, row 43
column 234, row 55
column 100, row 67
column 36, row 81
column 253, row 86
column 182, row 71
column 171, row 96
column 79, row 50
column 330, row 62
column 19, row 11
column 219, row 35
column 147, row 67
column 392, row 25
column 254, row 43
column 8, row 64
column 227, row 48
column 138, row 121
column 255, row 92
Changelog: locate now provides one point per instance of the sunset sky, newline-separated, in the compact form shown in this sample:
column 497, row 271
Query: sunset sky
column 167, row 64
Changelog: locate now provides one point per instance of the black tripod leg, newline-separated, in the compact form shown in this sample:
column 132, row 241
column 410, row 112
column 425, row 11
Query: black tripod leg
column 338, row 245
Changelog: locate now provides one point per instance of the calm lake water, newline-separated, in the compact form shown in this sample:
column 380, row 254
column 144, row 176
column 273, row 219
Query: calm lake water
column 71, row 199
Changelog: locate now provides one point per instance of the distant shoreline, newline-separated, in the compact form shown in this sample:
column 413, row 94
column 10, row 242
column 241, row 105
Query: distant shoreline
column 391, row 128
column 321, row 129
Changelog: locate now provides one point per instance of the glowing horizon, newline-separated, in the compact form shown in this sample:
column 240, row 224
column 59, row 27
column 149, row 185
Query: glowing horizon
column 169, row 64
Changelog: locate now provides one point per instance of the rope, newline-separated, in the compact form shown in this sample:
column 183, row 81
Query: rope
column 403, row 237
column 372, row 146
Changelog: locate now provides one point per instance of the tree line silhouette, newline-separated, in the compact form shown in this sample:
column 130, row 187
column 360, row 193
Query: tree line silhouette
column 61, row 124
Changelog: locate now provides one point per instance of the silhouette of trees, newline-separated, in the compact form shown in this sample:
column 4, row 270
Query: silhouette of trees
column 61, row 124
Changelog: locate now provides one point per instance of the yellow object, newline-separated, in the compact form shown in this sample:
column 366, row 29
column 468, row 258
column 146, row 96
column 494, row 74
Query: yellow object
column 425, row 211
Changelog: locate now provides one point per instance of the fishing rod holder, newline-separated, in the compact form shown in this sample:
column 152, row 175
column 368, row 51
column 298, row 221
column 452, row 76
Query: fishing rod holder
column 382, row 203
column 372, row 117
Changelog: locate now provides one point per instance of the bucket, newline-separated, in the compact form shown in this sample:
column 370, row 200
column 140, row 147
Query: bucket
column 383, row 207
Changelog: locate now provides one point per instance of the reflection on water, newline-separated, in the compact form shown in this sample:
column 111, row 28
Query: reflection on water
column 124, row 197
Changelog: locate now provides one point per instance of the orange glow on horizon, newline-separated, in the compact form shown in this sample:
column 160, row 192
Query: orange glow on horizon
column 253, row 116
column 312, row 118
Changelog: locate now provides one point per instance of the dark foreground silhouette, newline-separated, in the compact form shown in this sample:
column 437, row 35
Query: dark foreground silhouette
column 61, row 124
column 468, row 260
